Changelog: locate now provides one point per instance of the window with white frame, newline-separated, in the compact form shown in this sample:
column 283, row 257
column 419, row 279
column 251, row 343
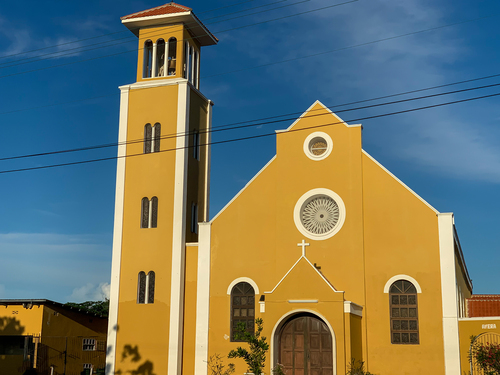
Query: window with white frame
column 152, row 136
column 149, row 212
column 89, row 345
column 148, row 59
column 160, row 58
column 146, row 288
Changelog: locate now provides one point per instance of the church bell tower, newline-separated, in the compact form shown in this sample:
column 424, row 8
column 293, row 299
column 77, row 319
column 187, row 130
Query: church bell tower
column 162, row 187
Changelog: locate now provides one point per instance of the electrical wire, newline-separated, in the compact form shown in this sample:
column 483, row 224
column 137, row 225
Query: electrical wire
column 254, row 136
column 131, row 38
column 252, row 123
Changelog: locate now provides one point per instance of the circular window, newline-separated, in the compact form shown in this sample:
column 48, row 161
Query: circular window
column 319, row 214
column 318, row 146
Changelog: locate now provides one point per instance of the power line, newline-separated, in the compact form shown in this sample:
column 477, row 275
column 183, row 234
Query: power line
column 108, row 34
column 219, row 32
column 252, row 123
column 113, row 42
column 254, row 136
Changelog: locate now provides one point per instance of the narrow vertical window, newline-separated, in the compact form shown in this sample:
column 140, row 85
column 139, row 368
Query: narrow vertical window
column 172, row 56
column 404, row 313
column 148, row 58
column 151, row 287
column 185, row 73
column 141, row 287
column 196, row 70
column 148, row 135
column 196, row 145
column 160, row 58
column 194, row 218
column 191, row 65
column 154, row 213
column 157, row 136
column 145, row 213
column 242, row 308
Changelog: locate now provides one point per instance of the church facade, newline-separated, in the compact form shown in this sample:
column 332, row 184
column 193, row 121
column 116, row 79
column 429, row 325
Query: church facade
column 339, row 257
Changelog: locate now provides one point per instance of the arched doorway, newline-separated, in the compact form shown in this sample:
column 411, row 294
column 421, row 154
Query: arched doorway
column 305, row 346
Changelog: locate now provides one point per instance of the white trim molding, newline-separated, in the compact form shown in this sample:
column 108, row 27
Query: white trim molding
column 353, row 308
column 117, row 231
column 202, row 300
column 310, row 194
column 307, row 146
column 448, row 294
column 402, row 277
column 283, row 320
column 178, row 235
column 243, row 279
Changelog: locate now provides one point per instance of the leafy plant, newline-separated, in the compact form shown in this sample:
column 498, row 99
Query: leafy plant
column 486, row 356
column 357, row 368
column 255, row 356
column 217, row 367
column 100, row 308
column 278, row 369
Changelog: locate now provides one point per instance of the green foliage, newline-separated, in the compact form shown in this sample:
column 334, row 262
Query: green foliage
column 255, row 356
column 486, row 356
column 278, row 369
column 100, row 308
column 357, row 368
column 217, row 367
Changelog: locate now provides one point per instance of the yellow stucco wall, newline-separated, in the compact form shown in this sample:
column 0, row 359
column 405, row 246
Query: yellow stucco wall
column 15, row 320
column 401, row 237
column 259, row 227
column 189, row 343
column 144, row 249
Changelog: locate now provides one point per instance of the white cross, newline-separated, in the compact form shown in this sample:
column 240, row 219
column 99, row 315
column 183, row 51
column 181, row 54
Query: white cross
column 303, row 244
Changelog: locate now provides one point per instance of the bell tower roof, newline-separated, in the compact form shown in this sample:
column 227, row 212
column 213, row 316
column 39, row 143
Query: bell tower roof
column 170, row 13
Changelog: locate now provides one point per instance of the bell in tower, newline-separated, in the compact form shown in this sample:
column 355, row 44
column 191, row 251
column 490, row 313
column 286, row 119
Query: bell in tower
column 162, row 186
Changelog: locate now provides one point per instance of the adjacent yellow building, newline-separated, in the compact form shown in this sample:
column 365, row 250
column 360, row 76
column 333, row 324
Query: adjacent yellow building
column 339, row 258
column 51, row 338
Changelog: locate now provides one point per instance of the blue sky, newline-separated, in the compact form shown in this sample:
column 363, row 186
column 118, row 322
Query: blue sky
column 56, row 224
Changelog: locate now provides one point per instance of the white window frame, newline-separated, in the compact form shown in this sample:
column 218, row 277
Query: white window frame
column 89, row 343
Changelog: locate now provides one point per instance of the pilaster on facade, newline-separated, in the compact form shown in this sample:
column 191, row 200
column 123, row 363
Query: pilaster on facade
column 449, row 295
column 179, row 234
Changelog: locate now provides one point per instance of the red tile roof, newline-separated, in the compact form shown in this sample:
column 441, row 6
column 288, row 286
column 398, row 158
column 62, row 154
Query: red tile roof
column 168, row 8
column 482, row 305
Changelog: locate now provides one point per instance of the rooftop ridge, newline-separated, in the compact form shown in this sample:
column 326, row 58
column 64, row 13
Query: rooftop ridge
column 159, row 10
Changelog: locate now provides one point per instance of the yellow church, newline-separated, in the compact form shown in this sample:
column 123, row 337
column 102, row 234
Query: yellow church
column 339, row 257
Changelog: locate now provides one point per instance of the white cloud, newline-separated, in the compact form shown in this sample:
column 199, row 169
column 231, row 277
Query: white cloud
column 90, row 292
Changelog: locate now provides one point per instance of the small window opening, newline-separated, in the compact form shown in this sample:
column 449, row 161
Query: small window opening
column 196, row 70
column 146, row 287
column 196, row 145
column 194, row 218
column 89, row 345
column 160, row 58
column 148, row 58
column 148, row 133
column 149, row 212
column 172, row 55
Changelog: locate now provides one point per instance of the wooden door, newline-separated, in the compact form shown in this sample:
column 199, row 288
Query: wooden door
column 305, row 347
